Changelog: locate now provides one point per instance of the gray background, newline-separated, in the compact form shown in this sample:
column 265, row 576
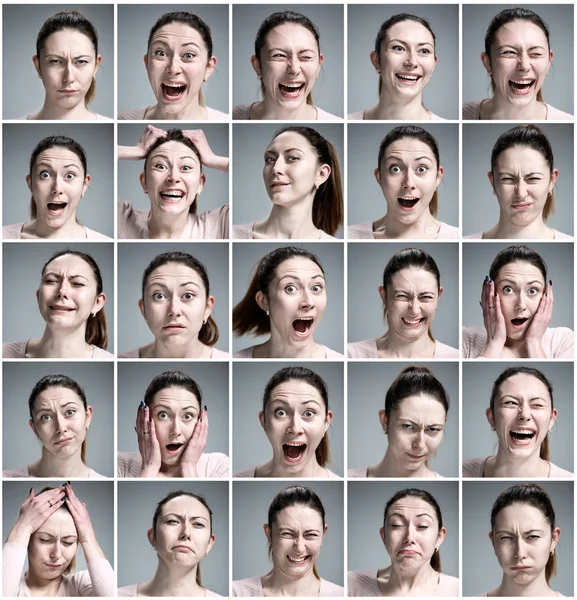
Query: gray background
column 250, row 443
column 137, row 560
column 330, row 330
column 481, row 570
column 367, row 387
column 558, row 87
column 442, row 92
column 22, row 22
column 99, row 499
column 249, row 145
column 329, row 19
column 251, row 500
column 215, row 192
column 480, row 205
column 212, row 378
column 477, row 259
column 367, row 202
column 23, row 271
column 96, row 209
column 134, row 258
column 366, row 508
column 19, row 444
column 478, row 381
column 134, row 24
column 365, row 309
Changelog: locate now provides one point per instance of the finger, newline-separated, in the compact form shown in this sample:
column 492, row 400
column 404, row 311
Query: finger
column 146, row 421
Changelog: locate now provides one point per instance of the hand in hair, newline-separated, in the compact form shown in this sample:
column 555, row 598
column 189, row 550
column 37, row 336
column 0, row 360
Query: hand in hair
column 34, row 511
column 207, row 156
column 140, row 150
column 538, row 327
column 148, row 445
column 494, row 321
column 195, row 447
column 80, row 515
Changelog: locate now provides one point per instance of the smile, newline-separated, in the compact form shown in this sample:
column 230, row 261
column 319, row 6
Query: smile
column 522, row 437
column 521, row 87
column 173, row 91
column 298, row 560
column 302, row 327
column 408, row 78
column 408, row 202
column 413, row 322
column 172, row 196
column 294, row 452
column 56, row 209
column 291, row 90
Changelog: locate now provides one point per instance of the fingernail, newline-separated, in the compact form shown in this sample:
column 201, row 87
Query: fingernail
column 30, row 490
column 205, row 408
column 141, row 404
column 63, row 485
column 495, row 293
column 200, row 419
column 145, row 406
column 486, row 278
column 150, row 420
column 550, row 282
column 63, row 499
column 490, row 281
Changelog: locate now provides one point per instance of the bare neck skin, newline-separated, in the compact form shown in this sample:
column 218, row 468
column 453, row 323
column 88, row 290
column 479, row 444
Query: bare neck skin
column 55, row 113
column 387, row 228
column 52, row 466
column 276, row 583
column 391, row 107
column 392, row 346
column 172, row 581
column 266, row 109
column 537, row 588
column 287, row 223
column 389, row 467
column 194, row 349
column 278, row 348
column 506, row 465
column 193, row 112
column 274, row 469
column 60, row 344
column 39, row 229
column 166, row 227
column 507, row 230
column 42, row 587
column 394, row 581
column 500, row 108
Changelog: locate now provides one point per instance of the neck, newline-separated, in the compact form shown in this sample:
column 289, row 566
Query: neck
column 40, row 586
column 286, row 586
column 276, row 347
column 512, row 466
column 501, row 108
column 193, row 349
column 410, row 580
column 537, row 587
column 191, row 112
column 427, row 226
column 162, row 226
column 170, row 470
column 517, row 347
column 52, row 112
column 534, row 230
column 391, row 106
column 275, row 468
column 267, row 109
column 394, row 345
column 64, row 344
column 53, row 466
column 70, row 229
column 294, row 222
column 389, row 467
column 170, row 580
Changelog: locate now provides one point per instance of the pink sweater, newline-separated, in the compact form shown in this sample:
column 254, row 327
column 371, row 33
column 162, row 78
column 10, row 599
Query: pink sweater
column 210, row 465
column 252, row 470
column 364, row 583
column 97, row 581
column 242, row 112
column 132, row 590
column 244, row 232
column 472, row 111
column 13, row 232
column 362, row 472
column 474, row 467
column 253, row 587
column 24, row 472
column 248, row 353
column 135, row 353
column 364, row 231
column 18, row 350
column 368, row 349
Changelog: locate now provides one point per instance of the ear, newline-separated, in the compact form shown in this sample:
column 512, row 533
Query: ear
column 375, row 60
column 262, row 301
column 99, row 302
column 143, row 181
column 88, row 415
column 554, row 414
column 382, row 532
column 492, row 180
column 490, row 417
column 323, row 175
column 328, row 419
column 267, row 532
column 211, row 543
column 209, row 307
column 151, row 540
column 383, row 419
column 383, row 294
column 200, row 187
column 440, row 292
column 33, row 427
column 326, row 529
column 141, row 306
column 146, row 60
column 87, row 181
column 555, row 538
column 261, row 418
column 441, row 536
column 491, row 538
column 210, row 67
column 486, row 62
column 254, row 61
column 551, row 55
column 36, row 65
column 440, row 174
column 29, row 182
column 98, row 61
column 321, row 58
column 554, row 176
column 377, row 173
column 38, row 296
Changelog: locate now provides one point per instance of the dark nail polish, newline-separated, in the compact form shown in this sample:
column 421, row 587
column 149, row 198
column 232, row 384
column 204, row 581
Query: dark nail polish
column 205, row 407
column 63, row 499
column 486, row 278
column 68, row 482
column 200, row 420
column 550, row 282
column 63, row 485
column 30, row 490
column 495, row 293
column 490, row 281
column 150, row 420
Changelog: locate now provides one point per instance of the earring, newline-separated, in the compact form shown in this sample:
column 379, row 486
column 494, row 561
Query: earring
column 93, row 315
column 552, row 552
column 82, row 195
column 493, row 429
column 204, row 82
column 379, row 71
column 146, row 191
column 267, row 313
column 547, row 74
column 204, row 321
column 87, row 427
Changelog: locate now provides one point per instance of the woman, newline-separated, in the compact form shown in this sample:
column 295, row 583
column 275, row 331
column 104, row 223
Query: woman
column 58, row 179
column 286, row 298
column 414, row 417
column 60, row 418
column 172, row 431
column 404, row 58
column 517, row 304
column 49, row 529
column 287, row 59
column 176, row 305
column 410, row 293
column 412, row 534
column 521, row 413
column 523, row 177
column 408, row 172
column 173, row 180
column 71, row 302
column 524, row 537
column 295, row 417
column 178, row 61
column 66, row 61
column 178, row 570
column 293, row 552
column 517, row 59
column 303, row 180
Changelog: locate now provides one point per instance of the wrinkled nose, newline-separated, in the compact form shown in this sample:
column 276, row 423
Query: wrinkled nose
column 419, row 440
column 523, row 62
column 521, row 189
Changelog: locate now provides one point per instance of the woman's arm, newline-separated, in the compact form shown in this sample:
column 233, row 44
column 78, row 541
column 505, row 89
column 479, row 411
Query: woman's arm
column 139, row 151
column 99, row 581
column 207, row 156
column 13, row 562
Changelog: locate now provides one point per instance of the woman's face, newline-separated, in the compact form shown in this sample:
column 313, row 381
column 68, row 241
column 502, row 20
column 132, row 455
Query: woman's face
column 523, row 542
column 411, row 533
column 67, row 294
column 292, row 172
column 296, row 300
column 57, row 183
column 408, row 176
column 295, row 422
column 522, row 181
column 173, row 178
column 296, row 539
column 407, row 59
column 520, row 286
column 67, row 66
column 177, row 63
column 53, row 546
column 175, row 304
column 411, row 302
column 520, row 60
column 415, row 430
column 289, row 64
column 523, row 415
column 182, row 535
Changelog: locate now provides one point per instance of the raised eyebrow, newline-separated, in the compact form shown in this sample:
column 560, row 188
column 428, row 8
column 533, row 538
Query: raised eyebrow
column 515, row 283
column 190, row 283
column 407, row 43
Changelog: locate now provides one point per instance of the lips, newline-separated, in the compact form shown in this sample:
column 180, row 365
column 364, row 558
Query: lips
column 172, row 196
column 63, row 442
column 68, row 92
column 53, row 566
column 174, row 448
column 61, row 308
column 413, row 322
column 519, row 322
column 522, row 436
column 408, row 553
column 408, row 202
column 520, row 568
column 174, row 327
column 291, row 89
column 56, row 209
column 416, row 456
column 298, row 560
column 521, row 206
column 294, row 451
column 173, row 91
column 183, row 548
column 521, row 87
column 302, row 327
column 408, row 78
column 278, row 185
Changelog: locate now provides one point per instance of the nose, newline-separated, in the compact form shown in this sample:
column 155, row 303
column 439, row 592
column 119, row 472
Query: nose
column 174, row 64
column 293, row 64
column 410, row 534
column 68, row 72
column 524, row 412
column 55, row 551
column 419, row 439
column 520, row 548
column 299, row 544
column 521, row 188
column 57, row 185
column 295, row 424
column 410, row 58
column 186, row 531
column 520, row 302
column 307, row 299
column 414, row 306
column 60, row 424
column 174, row 307
column 408, row 180
column 523, row 62
column 63, row 288
column 173, row 173
column 279, row 166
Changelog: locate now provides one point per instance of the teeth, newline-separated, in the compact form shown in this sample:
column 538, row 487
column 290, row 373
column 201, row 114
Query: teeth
column 294, row 444
column 297, row 559
column 174, row 85
column 523, row 431
column 292, row 85
column 172, row 194
column 411, row 322
column 408, row 77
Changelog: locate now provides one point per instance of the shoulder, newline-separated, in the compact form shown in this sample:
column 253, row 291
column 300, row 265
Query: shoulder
column 241, row 111
column 250, row 472
column 95, row 235
column 128, row 590
column 103, row 118
column 211, row 224
column 129, row 464
column 14, row 349
column 245, row 353
column 326, row 236
column 132, row 222
column 562, row 236
column 473, row 467
column 333, row 475
column 328, row 588
column 216, row 353
column 323, row 115
column 94, row 475
column 242, row 232
column 471, row 110
column 559, row 342
column 448, row 232
column 435, row 117
column 554, row 114
column 474, row 236
column 211, row 593
column 363, row 349
column 448, row 586
column 247, row 587
column 23, row 472
column 559, row 472
column 130, row 354
column 474, row 339
column 332, row 353
column 363, row 583
column 356, row 116
column 136, row 114
column 216, row 115
column 445, row 351
column 358, row 472
column 12, row 232
column 364, row 231
column 101, row 353
column 213, row 464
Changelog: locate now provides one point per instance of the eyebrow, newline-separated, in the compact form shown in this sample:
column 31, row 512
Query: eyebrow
column 194, row 518
column 419, row 293
column 287, row 150
column 53, row 537
column 392, row 156
column 415, row 423
column 395, row 514
column 182, row 45
column 50, row 165
column 290, row 530
column 60, row 276
column 311, row 400
column 165, row 156
column 285, row 50
column 296, row 277
column 517, row 398
column 517, row 47
column 165, row 407
column 528, row 283
column 407, row 43
column 73, row 58
column 527, row 175
column 163, row 285
column 525, row 532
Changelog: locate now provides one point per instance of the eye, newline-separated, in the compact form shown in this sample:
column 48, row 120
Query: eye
column 317, row 288
column 434, row 430
column 158, row 296
column 507, row 289
column 44, row 174
column 533, row 291
column 507, row 180
column 189, row 55
column 510, row 403
column 54, row 61
column 81, row 62
column 189, row 296
column 280, row 412
column 426, row 51
column 394, row 169
column 172, row 521
column 422, row 527
column 199, row 525
column 285, row 534
column 186, row 168
column 395, row 526
column 307, row 57
column 188, row 416
column 160, row 53
column 421, row 169
column 406, row 426
column 268, row 160
column 68, row 543
column 310, row 414
column 397, row 48
column 159, row 166
column 70, row 412
column 70, row 176
column 509, row 52
column 45, row 418
column 534, row 179
column 45, row 541
column 311, row 536
column 290, row 289
column 293, row 158
column 278, row 55
column 534, row 537
column 77, row 284
column 401, row 296
column 506, row 538
column 162, row 414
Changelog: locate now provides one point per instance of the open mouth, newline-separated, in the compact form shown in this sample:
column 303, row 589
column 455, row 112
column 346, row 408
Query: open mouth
column 298, row 560
column 294, row 452
column 522, row 437
column 172, row 196
column 174, row 447
column 408, row 202
column 522, row 87
column 519, row 322
column 408, row 79
column 291, row 90
column 173, row 91
column 413, row 322
column 302, row 327
column 56, row 209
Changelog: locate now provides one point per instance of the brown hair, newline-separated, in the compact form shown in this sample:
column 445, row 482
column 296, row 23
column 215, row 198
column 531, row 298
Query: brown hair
column 517, row 253
column 208, row 333
column 96, row 331
column 69, row 19
column 170, row 379
column 544, row 451
column 322, row 452
column 417, row 133
column 247, row 316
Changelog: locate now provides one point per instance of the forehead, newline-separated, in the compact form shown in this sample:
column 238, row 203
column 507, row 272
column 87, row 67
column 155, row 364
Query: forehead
column 290, row 35
column 298, row 266
column 410, row 31
column 521, row 155
column 295, row 391
column 174, row 150
column 414, row 278
column 524, row 383
column 176, row 395
column 409, row 147
column 68, row 39
column 299, row 517
column 57, row 394
column 179, row 33
column 174, row 273
column 521, row 33
column 289, row 140
column 186, row 505
column 412, row 507
column 522, row 515
column 59, row 523
column 70, row 263
column 421, row 407
column 57, row 154
column 520, row 271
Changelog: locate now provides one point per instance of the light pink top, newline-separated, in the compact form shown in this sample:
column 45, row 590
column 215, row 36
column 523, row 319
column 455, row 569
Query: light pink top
column 210, row 465
column 364, row 583
column 365, row 232
column 247, row 353
column 24, row 472
column 18, row 350
column 96, row 117
column 474, row 467
column 244, row 232
column 558, row 236
column 360, row 116
column 368, row 349
column 209, row 225
column 132, row 590
column 138, row 114
column 363, row 472
column 242, row 112
column 486, row 593
column 216, row 353
column 557, row 342
column 472, row 111
column 252, row 470
column 253, row 587
column 97, row 581
column 12, row 232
